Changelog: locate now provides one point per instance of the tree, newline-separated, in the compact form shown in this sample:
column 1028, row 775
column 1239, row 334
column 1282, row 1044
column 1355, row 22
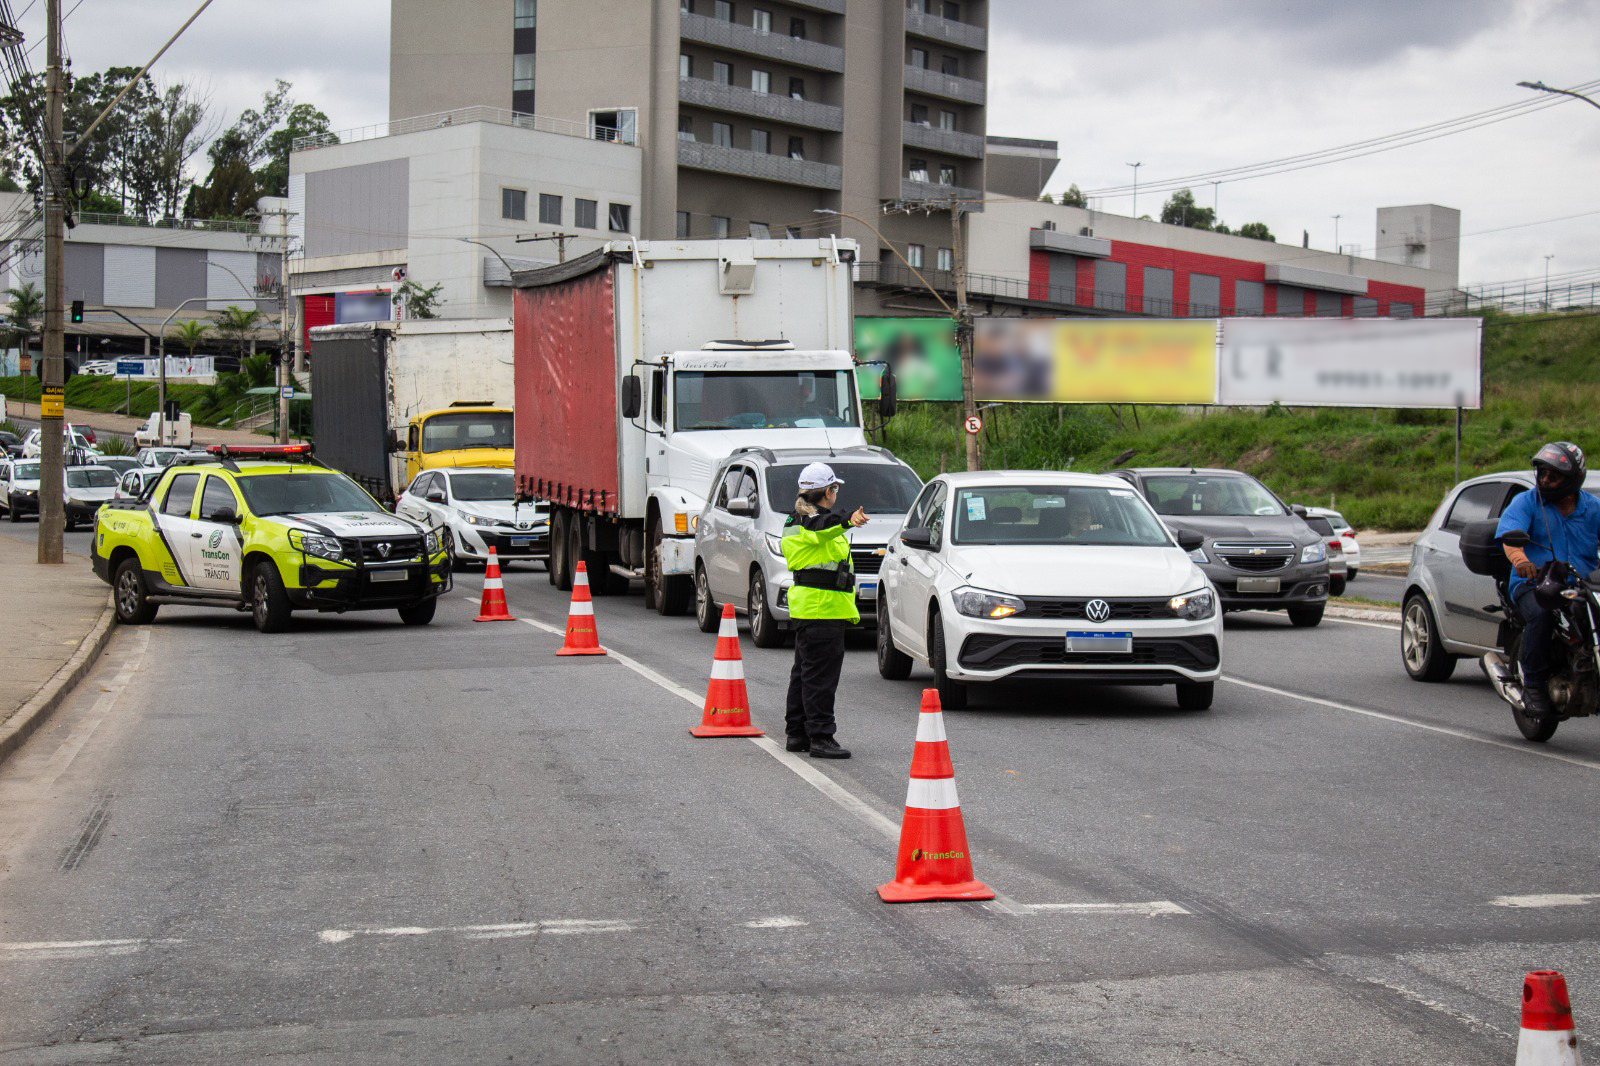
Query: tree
column 1074, row 197
column 237, row 326
column 1256, row 231
column 1180, row 210
column 419, row 302
column 189, row 332
column 26, row 315
column 1046, row 198
column 303, row 120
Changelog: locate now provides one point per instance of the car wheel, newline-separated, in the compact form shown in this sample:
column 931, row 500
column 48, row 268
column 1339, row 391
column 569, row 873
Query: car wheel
column 706, row 614
column 269, row 604
column 1351, row 576
column 893, row 664
column 1305, row 617
column 1195, row 695
column 672, row 591
column 1421, row 650
column 72, row 525
column 133, row 602
column 1336, row 586
column 14, row 514
column 419, row 614
column 764, row 631
column 952, row 694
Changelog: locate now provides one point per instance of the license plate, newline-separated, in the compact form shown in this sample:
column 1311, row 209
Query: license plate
column 521, row 542
column 386, row 575
column 1259, row 584
column 1103, row 643
column 867, row 590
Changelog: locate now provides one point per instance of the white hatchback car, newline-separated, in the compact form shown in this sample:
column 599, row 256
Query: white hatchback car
column 1346, row 535
column 1039, row 574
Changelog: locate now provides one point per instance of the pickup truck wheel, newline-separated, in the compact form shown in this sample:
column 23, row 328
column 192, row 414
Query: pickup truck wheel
column 269, row 604
column 952, row 694
column 764, row 631
column 893, row 664
column 419, row 614
column 706, row 615
column 672, row 591
column 133, row 603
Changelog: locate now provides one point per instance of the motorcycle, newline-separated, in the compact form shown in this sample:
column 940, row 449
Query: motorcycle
column 1574, row 653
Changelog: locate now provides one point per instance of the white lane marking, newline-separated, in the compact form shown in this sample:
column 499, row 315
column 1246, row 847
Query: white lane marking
column 1459, row 734
column 1548, row 899
column 1153, row 909
column 1358, row 622
column 76, row 949
column 1433, row 1004
column 780, row 922
column 803, row 768
column 552, row 927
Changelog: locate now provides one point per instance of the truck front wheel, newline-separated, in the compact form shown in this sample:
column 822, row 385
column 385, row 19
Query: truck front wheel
column 670, row 592
column 559, row 567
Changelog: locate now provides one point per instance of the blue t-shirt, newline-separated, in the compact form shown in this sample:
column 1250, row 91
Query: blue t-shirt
column 1573, row 538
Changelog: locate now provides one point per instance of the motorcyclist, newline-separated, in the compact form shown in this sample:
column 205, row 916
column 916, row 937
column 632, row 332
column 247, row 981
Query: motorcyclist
column 1562, row 522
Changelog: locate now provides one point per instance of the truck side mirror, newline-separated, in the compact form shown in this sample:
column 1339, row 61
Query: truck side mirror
column 632, row 396
column 394, row 442
column 888, row 389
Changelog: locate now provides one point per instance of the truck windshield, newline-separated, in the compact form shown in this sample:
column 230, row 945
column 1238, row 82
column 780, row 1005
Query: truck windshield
column 779, row 399
column 468, row 429
column 1209, row 495
column 877, row 488
column 482, row 486
column 296, row 493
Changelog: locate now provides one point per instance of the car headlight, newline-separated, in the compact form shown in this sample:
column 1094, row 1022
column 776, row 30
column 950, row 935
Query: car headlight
column 431, row 543
column 474, row 520
column 316, row 544
column 979, row 603
column 1314, row 553
column 1199, row 555
column 775, row 543
column 1193, row 605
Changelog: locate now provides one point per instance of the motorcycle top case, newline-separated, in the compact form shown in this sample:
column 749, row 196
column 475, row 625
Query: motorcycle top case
column 1481, row 550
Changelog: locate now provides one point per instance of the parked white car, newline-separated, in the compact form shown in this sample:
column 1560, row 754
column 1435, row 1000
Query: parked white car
column 1347, row 539
column 87, row 487
column 158, row 457
column 32, row 444
column 19, row 487
column 133, row 483
column 1045, row 575
column 478, row 505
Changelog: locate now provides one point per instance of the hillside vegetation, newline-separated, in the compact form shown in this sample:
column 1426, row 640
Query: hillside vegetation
column 1383, row 469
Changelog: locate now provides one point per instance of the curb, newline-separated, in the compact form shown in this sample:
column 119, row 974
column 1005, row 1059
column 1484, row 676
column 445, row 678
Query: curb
column 31, row 715
column 1364, row 614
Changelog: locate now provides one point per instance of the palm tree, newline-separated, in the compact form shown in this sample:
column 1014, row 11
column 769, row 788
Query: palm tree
column 237, row 325
column 188, row 333
column 27, row 314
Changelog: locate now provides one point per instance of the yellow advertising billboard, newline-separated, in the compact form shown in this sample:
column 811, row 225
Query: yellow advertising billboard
column 1096, row 360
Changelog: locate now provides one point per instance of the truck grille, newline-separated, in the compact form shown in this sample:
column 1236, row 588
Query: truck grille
column 1255, row 557
column 368, row 549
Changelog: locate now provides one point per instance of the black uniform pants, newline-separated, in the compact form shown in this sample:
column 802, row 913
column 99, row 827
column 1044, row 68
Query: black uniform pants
column 818, row 659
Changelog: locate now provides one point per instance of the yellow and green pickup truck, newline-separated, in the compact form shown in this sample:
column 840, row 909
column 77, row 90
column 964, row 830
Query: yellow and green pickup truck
column 267, row 530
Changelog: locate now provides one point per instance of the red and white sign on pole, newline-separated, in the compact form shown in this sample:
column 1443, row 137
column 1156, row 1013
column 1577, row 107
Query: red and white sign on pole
column 974, row 425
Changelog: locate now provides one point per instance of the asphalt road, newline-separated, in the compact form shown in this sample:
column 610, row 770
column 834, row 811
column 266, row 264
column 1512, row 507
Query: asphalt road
column 360, row 842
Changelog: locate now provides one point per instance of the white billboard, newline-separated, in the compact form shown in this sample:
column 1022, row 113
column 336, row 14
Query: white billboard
column 1362, row 362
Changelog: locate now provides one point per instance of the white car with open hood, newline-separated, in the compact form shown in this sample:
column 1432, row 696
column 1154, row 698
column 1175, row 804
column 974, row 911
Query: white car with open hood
column 1036, row 574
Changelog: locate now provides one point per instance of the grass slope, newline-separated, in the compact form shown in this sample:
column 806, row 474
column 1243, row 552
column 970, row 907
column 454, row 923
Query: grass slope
column 1384, row 469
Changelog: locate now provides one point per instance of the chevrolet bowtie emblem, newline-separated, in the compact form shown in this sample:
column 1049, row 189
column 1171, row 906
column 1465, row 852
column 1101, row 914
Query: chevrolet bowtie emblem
column 1258, row 551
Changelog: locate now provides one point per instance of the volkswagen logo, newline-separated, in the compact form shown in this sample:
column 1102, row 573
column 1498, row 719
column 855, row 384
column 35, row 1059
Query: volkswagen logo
column 383, row 549
column 1097, row 610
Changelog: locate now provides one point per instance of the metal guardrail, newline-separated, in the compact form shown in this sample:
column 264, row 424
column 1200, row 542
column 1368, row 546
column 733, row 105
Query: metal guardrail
column 929, row 190
column 950, row 142
column 209, row 225
column 495, row 116
column 762, row 105
column 700, row 156
column 948, row 86
column 949, row 31
column 734, row 36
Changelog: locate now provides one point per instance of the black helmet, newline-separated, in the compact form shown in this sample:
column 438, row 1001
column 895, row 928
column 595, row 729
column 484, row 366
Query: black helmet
column 1565, row 461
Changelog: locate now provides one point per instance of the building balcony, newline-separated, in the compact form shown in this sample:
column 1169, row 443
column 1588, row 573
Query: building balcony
column 795, row 51
column 946, row 86
column 770, row 106
column 972, row 199
column 919, row 135
column 947, row 31
column 739, row 162
column 832, row 7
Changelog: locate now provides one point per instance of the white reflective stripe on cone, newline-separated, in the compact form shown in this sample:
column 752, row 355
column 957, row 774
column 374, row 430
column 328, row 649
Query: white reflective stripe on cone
column 728, row 628
column 935, row 795
column 1547, row 1047
column 930, row 726
column 493, row 583
column 582, row 608
column 580, row 579
column 727, row 670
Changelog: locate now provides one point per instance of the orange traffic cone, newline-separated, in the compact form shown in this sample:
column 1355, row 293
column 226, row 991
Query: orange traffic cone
column 1547, row 1037
column 494, row 593
column 934, row 862
column 582, row 638
column 727, row 712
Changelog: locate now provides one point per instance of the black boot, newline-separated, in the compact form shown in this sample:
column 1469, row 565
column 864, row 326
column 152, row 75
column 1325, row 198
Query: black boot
column 828, row 748
column 797, row 744
column 1536, row 700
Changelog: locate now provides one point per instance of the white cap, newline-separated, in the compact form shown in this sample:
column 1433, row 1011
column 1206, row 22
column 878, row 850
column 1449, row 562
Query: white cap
column 818, row 476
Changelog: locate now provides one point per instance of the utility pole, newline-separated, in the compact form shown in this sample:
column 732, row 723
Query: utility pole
column 52, row 402
column 969, row 402
column 1136, row 167
column 285, row 382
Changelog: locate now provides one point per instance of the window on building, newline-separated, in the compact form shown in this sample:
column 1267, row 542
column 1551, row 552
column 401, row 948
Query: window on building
column 683, row 224
column 797, row 147
column 549, row 209
column 513, row 203
column 917, row 170
column 722, row 73
column 760, row 81
column 620, row 126
column 719, row 227
column 760, row 141
column 685, row 66
column 947, row 174
column 620, row 217
column 761, row 21
column 760, row 231
column 797, row 28
column 685, row 127
column 797, row 88
column 950, row 65
column 523, row 69
column 919, row 114
column 944, row 259
column 527, row 14
column 722, row 10
column 914, row 255
column 952, row 11
column 585, row 212
column 919, row 58
column 792, row 232
column 722, row 134
column 947, row 120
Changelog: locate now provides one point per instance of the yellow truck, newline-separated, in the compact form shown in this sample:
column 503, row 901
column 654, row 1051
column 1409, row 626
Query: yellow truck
column 467, row 433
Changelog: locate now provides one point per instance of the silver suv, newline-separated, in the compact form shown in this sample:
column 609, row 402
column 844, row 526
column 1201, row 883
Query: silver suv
column 1448, row 612
column 736, row 545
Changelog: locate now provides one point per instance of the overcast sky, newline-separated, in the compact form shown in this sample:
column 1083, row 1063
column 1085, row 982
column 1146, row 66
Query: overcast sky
column 1179, row 86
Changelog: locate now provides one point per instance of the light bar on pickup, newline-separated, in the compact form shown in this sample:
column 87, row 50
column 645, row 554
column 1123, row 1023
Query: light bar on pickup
column 261, row 451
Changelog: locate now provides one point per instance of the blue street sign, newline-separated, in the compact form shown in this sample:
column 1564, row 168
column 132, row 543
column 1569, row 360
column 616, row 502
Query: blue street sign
column 130, row 366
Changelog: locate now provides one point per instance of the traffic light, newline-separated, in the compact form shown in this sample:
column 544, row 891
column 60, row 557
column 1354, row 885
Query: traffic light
column 77, row 310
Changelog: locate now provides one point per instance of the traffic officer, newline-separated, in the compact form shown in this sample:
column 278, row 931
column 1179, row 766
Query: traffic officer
column 822, row 605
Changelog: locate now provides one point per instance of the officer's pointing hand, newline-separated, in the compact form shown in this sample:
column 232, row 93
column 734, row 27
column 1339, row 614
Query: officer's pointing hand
column 859, row 518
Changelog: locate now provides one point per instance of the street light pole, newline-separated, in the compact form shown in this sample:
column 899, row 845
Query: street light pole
column 1337, row 248
column 1547, row 280
column 1136, row 167
column 52, row 398
column 1542, row 87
